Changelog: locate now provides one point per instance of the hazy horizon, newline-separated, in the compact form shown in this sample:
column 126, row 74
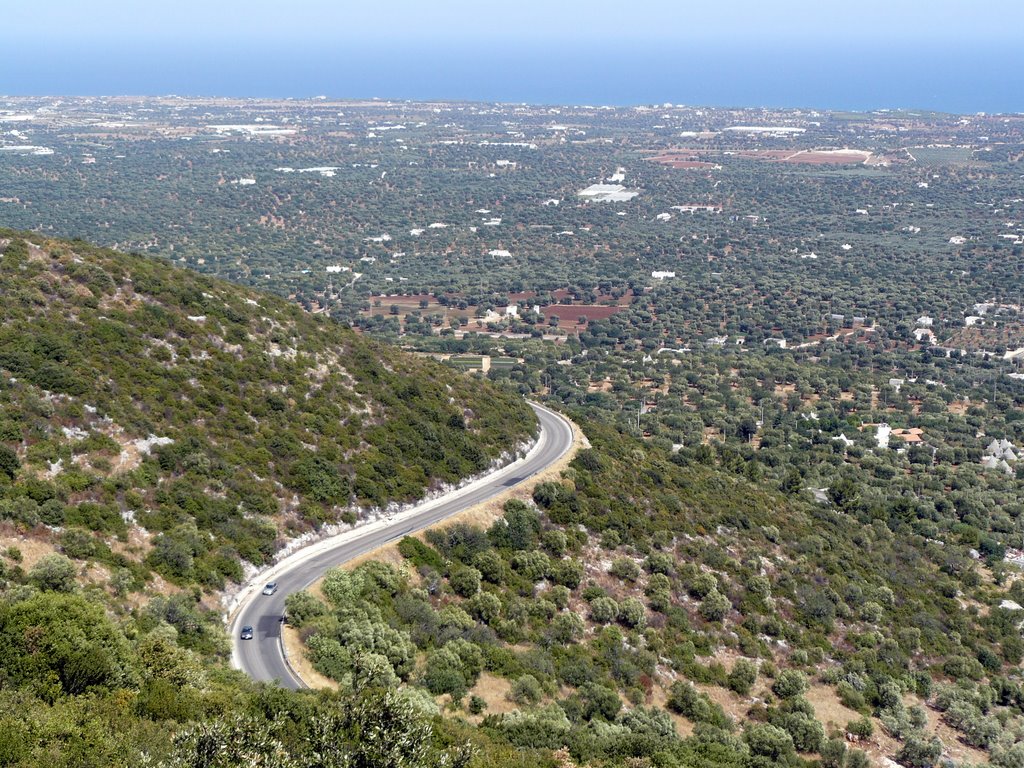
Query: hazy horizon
column 815, row 76
column 946, row 55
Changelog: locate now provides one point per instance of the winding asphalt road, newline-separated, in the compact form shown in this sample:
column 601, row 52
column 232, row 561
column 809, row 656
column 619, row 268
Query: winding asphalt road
column 262, row 658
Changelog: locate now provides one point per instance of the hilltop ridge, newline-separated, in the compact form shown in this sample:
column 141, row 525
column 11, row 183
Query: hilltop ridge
column 152, row 419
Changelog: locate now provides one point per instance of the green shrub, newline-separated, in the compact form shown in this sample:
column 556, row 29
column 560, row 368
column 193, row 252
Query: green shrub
column 555, row 542
column 443, row 673
column 833, row 753
column 526, row 691
column 533, row 565
column 742, row 676
column 54, row 573
column 715, row 606
column 9, row 463
column 769, row 741
column 302, row 607
column 491, row 567
column 604, row 610
column 567, row 573
column 518, row 529
column 850, row 696
column 701, row 584
column 659, row 562
column 419, row 554
column 485, row 606
column 806, row 732
column 559, row 595
column 862, row 728
column 789, row 683
column 624, row 568
column 687, row 701
column 465, row 581
column 78, row 544
column 919, row 751
column 566, row 628
column 632, row 613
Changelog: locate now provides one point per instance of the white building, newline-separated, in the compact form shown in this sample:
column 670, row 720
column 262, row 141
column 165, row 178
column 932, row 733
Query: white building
column 691, row 208
column 608, row 193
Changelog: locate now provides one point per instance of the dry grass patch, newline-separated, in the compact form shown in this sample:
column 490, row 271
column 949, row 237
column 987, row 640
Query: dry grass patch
column 950, row 738
column 881, row 746
column 300, row 664
column 137, row 546
column 388, row 554
column 32, row 549
column 494, row 690
column 829, row 710
column 659, row 698
column 734, row 705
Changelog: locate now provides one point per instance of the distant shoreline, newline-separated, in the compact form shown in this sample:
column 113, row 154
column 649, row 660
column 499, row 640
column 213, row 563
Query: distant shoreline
column 963, row 80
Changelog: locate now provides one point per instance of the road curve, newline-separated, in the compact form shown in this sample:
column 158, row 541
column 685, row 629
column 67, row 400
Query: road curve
column 262, row 658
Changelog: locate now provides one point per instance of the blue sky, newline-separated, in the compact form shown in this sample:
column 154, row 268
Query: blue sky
column 916, row 22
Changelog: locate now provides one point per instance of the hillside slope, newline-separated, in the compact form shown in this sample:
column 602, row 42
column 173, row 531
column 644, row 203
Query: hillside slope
column 155, row 419
column 664, row 609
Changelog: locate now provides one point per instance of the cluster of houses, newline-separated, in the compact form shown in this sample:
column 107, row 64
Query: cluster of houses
column 980, row 310
column 884, row 434
column 1000, row 454
column 923, row 331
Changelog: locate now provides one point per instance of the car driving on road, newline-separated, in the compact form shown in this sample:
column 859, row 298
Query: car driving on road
column 270, row 589
column 246, row 633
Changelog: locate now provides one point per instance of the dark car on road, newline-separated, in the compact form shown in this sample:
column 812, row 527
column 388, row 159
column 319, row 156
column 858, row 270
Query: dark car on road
column 246, row 633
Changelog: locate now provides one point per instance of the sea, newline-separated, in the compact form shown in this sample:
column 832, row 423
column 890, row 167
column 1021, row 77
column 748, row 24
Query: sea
column 856, row 75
